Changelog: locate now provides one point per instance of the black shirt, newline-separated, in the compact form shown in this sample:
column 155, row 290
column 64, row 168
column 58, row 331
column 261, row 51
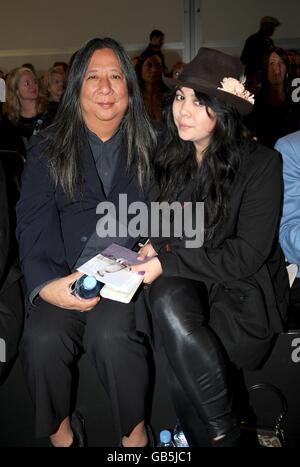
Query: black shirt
column 106, row 155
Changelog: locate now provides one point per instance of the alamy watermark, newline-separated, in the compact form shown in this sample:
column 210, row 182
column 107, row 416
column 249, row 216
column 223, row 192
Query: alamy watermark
column 2, row 350
column 295, row 355
column 139, row 219
column 296, row 91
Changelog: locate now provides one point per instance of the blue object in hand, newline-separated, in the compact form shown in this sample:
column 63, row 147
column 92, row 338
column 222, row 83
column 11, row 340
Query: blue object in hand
column 87, row 287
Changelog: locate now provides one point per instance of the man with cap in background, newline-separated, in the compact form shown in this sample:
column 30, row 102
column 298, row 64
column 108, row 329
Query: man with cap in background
column 256, row 46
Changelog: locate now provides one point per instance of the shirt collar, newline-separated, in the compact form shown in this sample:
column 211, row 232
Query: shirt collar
column 113, row 140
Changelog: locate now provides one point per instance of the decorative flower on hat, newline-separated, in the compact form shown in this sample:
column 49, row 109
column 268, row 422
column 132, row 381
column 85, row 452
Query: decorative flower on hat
column 236, row 87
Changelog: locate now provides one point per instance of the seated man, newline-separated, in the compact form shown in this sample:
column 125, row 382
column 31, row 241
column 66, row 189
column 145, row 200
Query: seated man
column 97, row 150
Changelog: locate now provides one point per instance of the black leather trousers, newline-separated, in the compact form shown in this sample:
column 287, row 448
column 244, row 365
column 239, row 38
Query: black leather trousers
column 197, row 367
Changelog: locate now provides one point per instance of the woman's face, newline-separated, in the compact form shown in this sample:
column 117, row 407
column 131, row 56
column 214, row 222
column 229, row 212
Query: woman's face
column 56, row 86
column 28, row 88
column 276, row 69
column 152, row 69
column 191, row 119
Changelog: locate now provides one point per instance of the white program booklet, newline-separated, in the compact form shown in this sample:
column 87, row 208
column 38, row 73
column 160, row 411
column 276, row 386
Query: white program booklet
column 111, row 267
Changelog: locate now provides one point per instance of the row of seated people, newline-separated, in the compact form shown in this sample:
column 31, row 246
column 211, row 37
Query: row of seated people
column 31, row 105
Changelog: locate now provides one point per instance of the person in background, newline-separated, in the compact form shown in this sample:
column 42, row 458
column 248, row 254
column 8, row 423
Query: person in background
column 157, row 38
column 219, row 301
column 177, row 68
column 53, row 85
column 2, row 95
column 155, row 45
column 274, row 114
column 149, row 70
column 97, row 149
column 30, row 66
column 255, row 48
column 22, row 110
column 60, row 67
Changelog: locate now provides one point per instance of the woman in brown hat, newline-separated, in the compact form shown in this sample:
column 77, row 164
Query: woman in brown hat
column 218, row 305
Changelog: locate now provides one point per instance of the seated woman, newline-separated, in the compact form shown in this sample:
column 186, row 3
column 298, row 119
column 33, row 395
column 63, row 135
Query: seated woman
column 54, row 86
column 149, row 70
column 218, row 304
column 22, row 109
column 274, row 114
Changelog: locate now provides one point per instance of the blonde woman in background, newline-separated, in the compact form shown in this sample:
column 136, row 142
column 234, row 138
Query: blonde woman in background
column 22, row 109
column 53, row 85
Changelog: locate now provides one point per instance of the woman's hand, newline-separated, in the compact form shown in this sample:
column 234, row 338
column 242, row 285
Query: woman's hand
column 146, row 251
column 151, row 268
column 58, row 293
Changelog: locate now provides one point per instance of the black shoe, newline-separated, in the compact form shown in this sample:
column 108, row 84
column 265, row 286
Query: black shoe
column 78, row 428
column 151, row 438
column 79, row 436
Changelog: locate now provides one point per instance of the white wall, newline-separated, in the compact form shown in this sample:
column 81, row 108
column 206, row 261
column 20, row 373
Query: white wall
column 41, row 32
column 226, row 24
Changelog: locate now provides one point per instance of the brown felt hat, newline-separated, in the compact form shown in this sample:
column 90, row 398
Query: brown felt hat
column 270, row 19
column 205, row 74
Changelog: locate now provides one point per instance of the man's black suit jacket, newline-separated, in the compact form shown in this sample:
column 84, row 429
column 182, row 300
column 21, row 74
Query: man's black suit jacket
column 52, row 230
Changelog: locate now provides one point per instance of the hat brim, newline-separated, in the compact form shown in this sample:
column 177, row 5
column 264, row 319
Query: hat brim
column 243, row 106
column 275, row 23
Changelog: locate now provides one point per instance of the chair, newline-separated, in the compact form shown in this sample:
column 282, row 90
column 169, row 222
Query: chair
column 282, row 369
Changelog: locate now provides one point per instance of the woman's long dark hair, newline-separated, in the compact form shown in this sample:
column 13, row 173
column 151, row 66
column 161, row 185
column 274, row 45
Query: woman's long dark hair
column 263, row 93
column 140, row 63
column 64, row 139
column 176, row 164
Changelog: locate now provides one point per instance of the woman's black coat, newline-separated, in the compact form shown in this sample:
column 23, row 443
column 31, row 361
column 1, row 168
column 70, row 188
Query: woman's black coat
column 243, row 266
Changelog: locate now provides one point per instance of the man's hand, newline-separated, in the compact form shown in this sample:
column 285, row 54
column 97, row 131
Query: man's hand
column 58, row 293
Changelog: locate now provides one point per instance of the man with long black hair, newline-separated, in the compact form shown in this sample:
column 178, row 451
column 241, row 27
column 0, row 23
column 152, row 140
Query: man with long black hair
column 97, row 149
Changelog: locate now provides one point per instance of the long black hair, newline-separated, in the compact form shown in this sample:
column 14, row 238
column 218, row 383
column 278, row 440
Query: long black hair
column 263, row 93
column 64, row 139
column 176, row 164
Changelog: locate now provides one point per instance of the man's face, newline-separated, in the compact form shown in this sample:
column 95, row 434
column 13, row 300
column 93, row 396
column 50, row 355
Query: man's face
column 104, row 93
column 268, row 29
column 157, row 40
